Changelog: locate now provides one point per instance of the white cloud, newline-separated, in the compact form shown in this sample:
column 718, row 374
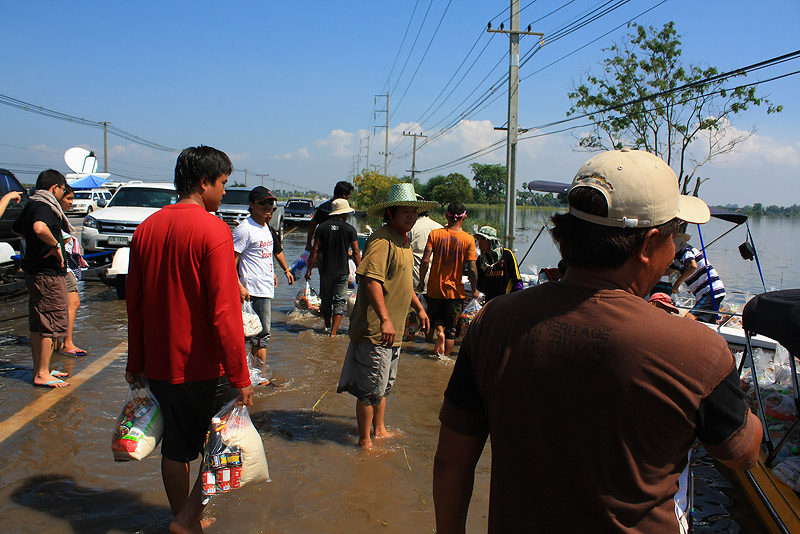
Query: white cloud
column 339, row 142
column 302, row 153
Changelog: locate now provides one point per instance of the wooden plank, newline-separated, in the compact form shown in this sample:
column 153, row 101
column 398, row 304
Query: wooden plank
column 781, row 498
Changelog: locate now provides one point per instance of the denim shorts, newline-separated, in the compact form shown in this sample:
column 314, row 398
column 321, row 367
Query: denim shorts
column 333, row 294
column 263, row 308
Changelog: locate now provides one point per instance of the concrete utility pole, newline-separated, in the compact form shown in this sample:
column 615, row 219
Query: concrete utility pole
column 414, row 155
column 361, row 146
column 513, row 126
column 105, row 146
column 386, row 149
column 263, row 175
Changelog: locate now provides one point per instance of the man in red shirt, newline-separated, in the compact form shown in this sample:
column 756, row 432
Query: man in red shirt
column 185, row 333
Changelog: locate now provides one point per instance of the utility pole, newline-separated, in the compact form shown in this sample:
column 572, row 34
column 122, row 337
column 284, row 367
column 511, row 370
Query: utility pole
column 386, row 149
column 262, row 175
column 414, row 155
column 105, row 146
column 513, row 125
column 359, row 153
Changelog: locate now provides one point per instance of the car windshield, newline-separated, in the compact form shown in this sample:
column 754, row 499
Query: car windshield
column 298, row 205
column 82, row 195
column 236, row 196
column 141, row 197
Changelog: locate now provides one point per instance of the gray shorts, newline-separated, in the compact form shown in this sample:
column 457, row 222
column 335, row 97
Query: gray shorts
column 369, row 371
column 263, row 308
column 72, row 283
column 333, row 294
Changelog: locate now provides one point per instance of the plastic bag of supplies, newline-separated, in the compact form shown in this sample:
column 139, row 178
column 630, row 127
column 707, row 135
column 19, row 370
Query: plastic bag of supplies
column 234, row 453
column 307, row 299
column 468, row 314
column 252, row 324
column 139, row 426
column 300, row 266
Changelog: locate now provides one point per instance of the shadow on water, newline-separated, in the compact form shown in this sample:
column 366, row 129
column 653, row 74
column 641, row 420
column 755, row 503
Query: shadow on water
column 306, row 426
column 15, row 372
column 89, row 510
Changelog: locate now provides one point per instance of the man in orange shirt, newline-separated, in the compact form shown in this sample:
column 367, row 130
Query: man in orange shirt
column 453, row 250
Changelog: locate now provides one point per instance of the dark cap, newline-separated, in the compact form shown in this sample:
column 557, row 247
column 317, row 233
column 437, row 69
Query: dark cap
column 260, row 192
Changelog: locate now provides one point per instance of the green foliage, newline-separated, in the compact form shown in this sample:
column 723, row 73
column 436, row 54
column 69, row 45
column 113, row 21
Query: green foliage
column 633, row 103
column 490, row 183
column 552, row 200
column 447, row 189
column 758, row 210
column 371, row 188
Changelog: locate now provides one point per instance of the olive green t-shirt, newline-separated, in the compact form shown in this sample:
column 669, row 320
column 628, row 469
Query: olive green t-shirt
column 389, row 260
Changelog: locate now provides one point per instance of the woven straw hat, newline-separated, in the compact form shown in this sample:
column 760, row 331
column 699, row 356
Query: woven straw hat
column 402, row 195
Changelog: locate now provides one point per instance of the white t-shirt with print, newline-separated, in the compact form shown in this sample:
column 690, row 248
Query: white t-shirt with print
column 255, row 244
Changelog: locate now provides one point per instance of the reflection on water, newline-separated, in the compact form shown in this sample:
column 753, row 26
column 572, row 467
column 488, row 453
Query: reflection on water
column 59, row 476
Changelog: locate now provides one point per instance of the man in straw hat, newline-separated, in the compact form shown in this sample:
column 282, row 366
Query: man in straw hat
column 385, row 291
column 643, row 384
column 334, row 238
column 701, row 278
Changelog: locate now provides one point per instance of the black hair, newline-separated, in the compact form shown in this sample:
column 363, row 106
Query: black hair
column 49, row 178
column 454, row 209
column 593, row 246
column 68, row 189
column 342, row 189
column 196, row 163
column 389, row 213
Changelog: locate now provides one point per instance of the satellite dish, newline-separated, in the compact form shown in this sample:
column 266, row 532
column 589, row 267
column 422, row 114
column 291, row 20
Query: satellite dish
column 80, row 160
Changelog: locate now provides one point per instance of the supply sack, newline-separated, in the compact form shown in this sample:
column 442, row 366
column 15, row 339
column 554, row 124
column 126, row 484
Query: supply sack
column 139, row 426
column 469, row 313
column 307, row 299
column 299, row 267
column 252, row 324
column 234, row 453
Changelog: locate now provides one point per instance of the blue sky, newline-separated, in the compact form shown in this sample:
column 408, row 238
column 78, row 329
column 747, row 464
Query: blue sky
column 289, row 89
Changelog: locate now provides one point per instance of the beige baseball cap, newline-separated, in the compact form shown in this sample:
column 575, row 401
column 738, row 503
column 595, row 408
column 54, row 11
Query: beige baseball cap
column 641, row 191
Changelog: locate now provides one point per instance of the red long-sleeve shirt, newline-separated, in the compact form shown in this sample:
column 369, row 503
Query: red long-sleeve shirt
column 184, row 314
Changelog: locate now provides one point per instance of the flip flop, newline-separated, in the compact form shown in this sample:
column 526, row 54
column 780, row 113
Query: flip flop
column 73, row 352
column 52, row 384
column 58, row 374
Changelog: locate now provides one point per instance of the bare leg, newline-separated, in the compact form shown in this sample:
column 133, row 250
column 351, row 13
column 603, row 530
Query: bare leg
column 337, row 320
column 42, row 348
column 327, row 319
column 187, row 521
column 176, row 483
column 74, row 302
column 448, row 346
column 364, row 416
column 260, row 353
column 378, row 423
column 439, row 343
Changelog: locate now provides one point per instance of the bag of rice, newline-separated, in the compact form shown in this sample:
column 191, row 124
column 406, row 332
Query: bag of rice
column 139, row 426
column 234, row 453
column 252, row 324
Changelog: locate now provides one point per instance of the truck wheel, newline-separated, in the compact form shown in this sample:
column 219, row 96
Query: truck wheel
column 280, row 229
column 121, row 285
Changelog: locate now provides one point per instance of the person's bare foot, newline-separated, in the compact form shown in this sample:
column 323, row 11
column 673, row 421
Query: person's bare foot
column 365, row 444
column 177, row 527
column 48, row 381
column 384, row 434
column 207, row 522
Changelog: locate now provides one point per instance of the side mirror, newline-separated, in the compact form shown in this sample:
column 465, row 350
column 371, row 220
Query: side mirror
column 102, row 202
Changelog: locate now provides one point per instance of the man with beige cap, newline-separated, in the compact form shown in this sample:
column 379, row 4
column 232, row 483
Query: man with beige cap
column 592, row 397
column 334, row 239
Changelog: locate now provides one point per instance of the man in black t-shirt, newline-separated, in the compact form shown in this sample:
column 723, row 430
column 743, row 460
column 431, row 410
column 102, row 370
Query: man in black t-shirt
column 323, row 211
column 334, row 238
column 40, row 225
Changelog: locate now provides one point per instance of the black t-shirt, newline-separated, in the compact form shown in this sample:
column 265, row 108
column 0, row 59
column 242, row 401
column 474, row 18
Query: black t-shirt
column 323, row 212
column 335, row 237
column 277, row 245
column 495, row 281
column 34, row 249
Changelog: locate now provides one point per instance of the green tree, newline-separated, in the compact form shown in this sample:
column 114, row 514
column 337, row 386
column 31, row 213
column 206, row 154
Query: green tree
column 454, row 187
column 686, row 128
column 371, row 188
column 426, row 189
column 490, row 182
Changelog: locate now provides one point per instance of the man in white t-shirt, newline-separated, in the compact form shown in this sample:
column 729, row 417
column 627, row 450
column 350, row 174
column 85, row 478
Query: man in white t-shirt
column 255, row 244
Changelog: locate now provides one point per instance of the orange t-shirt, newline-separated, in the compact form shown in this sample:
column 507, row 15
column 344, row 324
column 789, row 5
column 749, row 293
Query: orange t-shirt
column 451, row 249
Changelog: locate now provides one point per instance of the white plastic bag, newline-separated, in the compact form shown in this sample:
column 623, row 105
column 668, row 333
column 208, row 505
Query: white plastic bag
column 234, row 453
column 468, row 314
column 140, row 426
column 257, row 376
column 307, row 299
column 252, row 324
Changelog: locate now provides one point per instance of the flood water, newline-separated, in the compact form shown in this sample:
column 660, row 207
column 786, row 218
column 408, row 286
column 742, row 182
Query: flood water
column 58, row 475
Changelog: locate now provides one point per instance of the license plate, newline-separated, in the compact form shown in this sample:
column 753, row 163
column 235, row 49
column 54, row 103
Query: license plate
column 117, row 240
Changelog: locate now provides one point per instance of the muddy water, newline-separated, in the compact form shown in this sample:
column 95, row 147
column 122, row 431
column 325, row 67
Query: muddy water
column 58, row 475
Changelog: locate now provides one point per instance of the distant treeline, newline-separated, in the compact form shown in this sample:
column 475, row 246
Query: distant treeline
column 759, row 210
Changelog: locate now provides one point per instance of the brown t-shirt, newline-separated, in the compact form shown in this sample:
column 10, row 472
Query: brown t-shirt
column 389, row 260
column 593, row 399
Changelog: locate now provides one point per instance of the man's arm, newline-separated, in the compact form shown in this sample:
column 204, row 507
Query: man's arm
column 375, row 297
column 750, row 457
column 356, row 253
column 312, row 258
column 472, row 275
column 312, row 226
column 691, row 267
column 44, row 234
column 422, row 315
column 453, row 478
column 423, row 267
column 282, row 262
column 7, row 198
column 244, row 294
